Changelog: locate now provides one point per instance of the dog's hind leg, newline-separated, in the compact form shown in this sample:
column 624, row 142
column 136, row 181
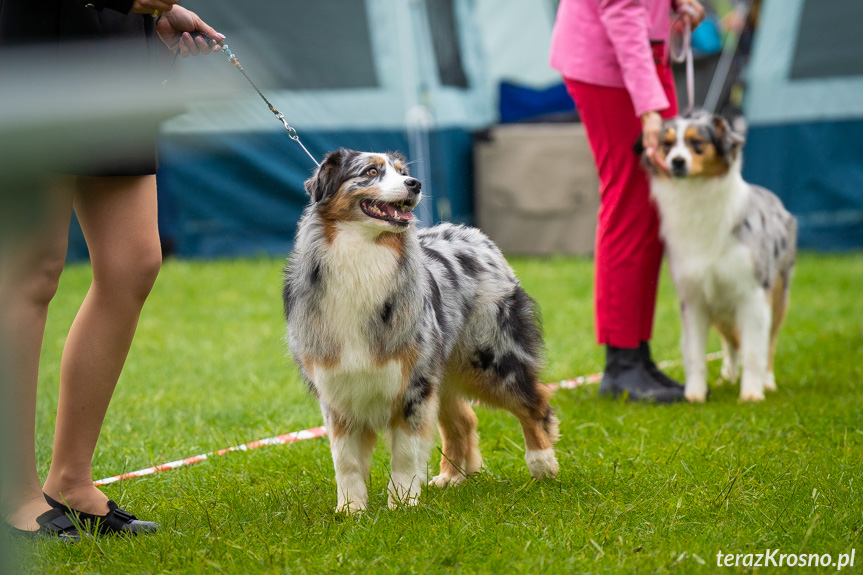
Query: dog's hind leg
column 510, row 383
column 460, row 452
column 730, row 339
column 540, row 427
column 779, row 301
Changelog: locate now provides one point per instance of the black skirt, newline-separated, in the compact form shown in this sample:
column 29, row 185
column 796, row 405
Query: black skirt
column 121, row 148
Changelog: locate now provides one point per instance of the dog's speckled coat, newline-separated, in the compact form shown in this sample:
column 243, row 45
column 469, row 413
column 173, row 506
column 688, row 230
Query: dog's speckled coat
column 731, row 249
column 393, row 328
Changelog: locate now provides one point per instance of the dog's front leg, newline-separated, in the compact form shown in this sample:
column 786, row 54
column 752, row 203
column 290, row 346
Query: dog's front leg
column 696, row 323
column 409, row 464
column 351, row 447
column 753, row 317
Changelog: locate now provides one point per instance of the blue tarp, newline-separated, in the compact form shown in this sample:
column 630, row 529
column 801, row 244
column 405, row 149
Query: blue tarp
column 242, row 194
column 818, row 174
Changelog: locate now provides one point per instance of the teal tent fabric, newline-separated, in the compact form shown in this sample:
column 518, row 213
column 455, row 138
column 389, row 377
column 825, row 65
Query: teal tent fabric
column 804, row 108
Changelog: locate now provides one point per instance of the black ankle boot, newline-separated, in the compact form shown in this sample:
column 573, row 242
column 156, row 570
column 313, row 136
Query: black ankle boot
column 625, row 373
column 653, row 369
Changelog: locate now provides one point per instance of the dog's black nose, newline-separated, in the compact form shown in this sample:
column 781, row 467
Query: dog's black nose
column 678, row 163
column 413, row 185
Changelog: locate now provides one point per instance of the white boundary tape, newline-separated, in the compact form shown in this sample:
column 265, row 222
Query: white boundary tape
column 316, row 432
column 278, row 440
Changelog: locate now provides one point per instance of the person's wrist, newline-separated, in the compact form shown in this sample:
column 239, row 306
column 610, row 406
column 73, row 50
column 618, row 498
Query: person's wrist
column 651, row 117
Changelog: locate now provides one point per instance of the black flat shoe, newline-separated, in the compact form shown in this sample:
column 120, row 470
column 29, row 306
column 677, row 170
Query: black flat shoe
column 53, row 523
column 653, row 369
column 625, row 374
column 115, row 521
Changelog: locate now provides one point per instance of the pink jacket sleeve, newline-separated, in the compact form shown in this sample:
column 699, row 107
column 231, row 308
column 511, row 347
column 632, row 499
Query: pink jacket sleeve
column 626, row 23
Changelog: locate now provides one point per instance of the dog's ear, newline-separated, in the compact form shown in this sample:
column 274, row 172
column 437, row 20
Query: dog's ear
column 728, row 142
column 325, row 182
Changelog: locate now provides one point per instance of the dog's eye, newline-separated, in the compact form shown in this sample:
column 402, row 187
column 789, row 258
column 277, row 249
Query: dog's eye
column 372, row 172
column 697, row 146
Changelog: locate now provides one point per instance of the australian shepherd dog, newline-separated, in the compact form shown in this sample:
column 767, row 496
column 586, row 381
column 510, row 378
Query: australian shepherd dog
column 731, row 248
column 393, row 328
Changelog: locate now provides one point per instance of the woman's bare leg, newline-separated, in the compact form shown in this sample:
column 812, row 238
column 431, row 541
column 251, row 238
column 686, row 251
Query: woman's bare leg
column 119, row 218
column 31, row 262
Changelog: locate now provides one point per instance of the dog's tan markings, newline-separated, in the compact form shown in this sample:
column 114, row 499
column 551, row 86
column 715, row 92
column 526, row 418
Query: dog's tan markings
column 779, row 304
column 425, row 429
column 406, row 357
column 457, row 423
column 315, row 364
column 340, row 208
column 330, row 231
column 668, row 137
column 730, row 332
column 394, row 241
column 538, row 425
column 706, row 161
column 339, row 426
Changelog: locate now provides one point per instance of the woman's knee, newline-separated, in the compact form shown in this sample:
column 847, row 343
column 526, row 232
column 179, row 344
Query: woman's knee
column 130, row 272
column 41, row 281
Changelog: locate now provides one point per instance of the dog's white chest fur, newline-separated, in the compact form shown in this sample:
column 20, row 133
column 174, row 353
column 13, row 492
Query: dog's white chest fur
column 708, row 262
column 366, row 271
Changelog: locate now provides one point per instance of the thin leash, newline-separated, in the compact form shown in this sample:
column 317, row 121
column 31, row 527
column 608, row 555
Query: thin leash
column 685, row 54
column 232, row 58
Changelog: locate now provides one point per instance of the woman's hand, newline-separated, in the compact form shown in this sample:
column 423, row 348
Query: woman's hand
column 152, row 6
column 174, row 29
column 691, row 11
column 651, row 126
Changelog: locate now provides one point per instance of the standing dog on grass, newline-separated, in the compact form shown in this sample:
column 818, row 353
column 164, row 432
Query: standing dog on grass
column 731, row 249
column 392, row 328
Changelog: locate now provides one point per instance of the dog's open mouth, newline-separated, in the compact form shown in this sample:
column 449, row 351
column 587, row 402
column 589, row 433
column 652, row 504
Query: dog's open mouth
column 400, row 213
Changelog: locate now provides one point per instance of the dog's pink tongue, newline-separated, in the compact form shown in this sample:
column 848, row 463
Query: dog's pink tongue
column 396, row 213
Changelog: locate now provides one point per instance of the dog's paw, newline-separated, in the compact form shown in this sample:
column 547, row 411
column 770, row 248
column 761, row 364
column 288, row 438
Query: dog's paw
column 446, row 480
column 749, row 395
column 541, row 463
column 396, row 503
column 350, row 508
column 695, row 396
column 770, row 382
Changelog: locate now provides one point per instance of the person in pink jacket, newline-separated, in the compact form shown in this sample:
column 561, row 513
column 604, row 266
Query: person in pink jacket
column 613, row 57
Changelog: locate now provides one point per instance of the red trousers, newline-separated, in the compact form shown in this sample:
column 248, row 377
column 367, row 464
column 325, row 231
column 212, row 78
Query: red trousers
column 628, row 251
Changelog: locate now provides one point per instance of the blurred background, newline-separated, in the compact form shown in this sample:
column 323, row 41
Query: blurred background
column 463, row 88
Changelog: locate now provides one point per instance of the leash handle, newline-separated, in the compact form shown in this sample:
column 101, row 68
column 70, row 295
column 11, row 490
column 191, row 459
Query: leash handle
column 686, row 55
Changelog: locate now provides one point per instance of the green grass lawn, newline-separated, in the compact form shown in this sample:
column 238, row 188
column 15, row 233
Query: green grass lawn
column 641, row 489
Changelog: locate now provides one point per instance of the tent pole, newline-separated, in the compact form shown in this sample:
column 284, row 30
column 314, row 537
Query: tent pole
column 419, row 117
column 729, row 49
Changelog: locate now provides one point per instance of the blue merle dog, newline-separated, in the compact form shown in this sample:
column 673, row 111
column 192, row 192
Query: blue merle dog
column 395, row 328
column 731, row 251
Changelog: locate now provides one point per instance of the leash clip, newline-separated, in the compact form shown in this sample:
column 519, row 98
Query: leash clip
column 292, row 134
